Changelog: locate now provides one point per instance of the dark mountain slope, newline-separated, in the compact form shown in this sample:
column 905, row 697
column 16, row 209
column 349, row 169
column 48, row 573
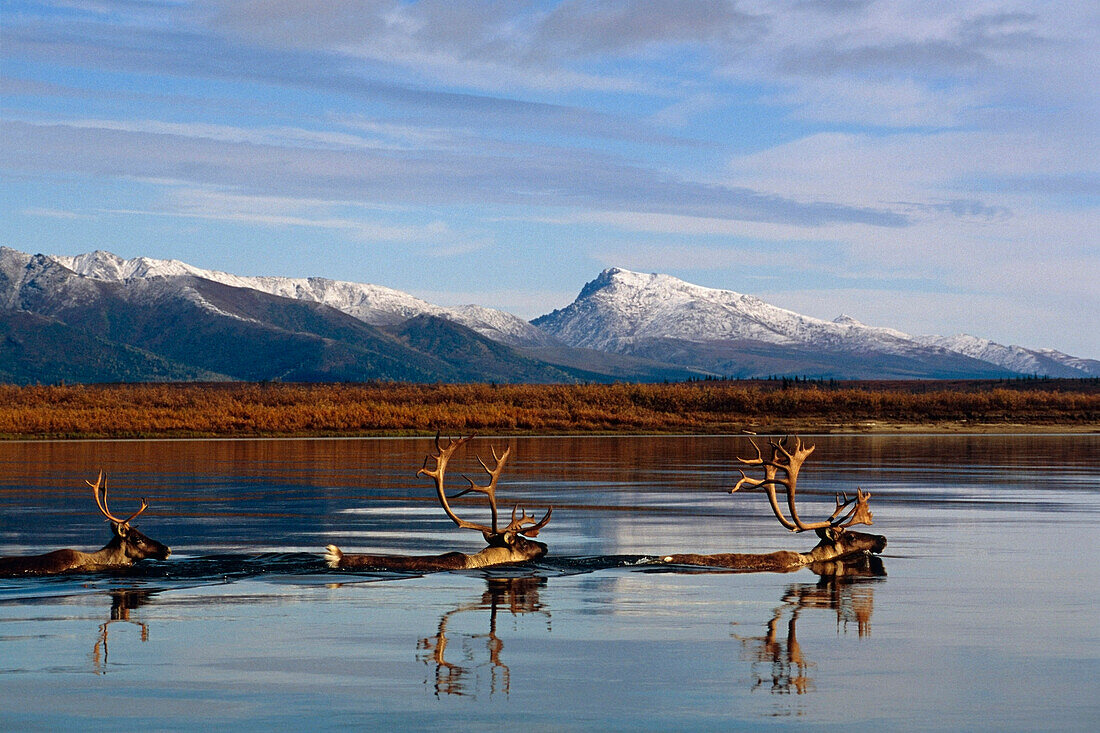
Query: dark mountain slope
column 608, row 366
column 745, row 359
column 37, row 349
column 204, row 325
column 475, row 358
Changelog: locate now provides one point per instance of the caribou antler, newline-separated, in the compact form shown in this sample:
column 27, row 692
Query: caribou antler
column 847, row 512
column 442, row 456
column 101, row 485
column 490, row 489
column 523, row 524
column 523, row 520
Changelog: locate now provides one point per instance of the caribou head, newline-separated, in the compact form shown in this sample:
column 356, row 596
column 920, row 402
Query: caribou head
column 130, row 543
column 838, row 542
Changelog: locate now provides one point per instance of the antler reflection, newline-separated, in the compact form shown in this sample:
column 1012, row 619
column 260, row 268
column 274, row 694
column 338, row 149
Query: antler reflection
column 518, row 596
column 778, row 664
column 122, row 602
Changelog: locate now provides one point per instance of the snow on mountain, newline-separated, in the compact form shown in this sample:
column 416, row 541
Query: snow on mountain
column 500, row 326
column 621, row 306
column 1017, row 358
column 13, row 270
column 373, row 304
column 100, row 265
column 1089, row 366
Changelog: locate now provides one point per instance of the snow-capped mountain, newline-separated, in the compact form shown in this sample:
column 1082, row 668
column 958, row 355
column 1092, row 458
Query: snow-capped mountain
column 57, row 324
column 660, row 316
column 373, row 304
column 621, row 306
column 1089, row 366
column 1047, row 362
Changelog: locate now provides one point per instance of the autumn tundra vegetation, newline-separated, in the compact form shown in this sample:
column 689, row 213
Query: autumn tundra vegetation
column 716, row 406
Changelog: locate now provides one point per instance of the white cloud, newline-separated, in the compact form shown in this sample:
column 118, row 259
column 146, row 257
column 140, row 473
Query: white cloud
column 266, row 135
column 892, row 103
column 870, row 169
column 359, row 224
column 54, row 213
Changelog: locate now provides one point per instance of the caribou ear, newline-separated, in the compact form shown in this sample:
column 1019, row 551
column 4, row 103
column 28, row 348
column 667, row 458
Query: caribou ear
column 120, row 529
column 832, row 534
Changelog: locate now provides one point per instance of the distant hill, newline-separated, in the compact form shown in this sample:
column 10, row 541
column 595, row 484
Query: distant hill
column 373, row 304
column 100, row 318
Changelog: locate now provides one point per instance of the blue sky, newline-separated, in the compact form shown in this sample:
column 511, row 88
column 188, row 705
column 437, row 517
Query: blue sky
column 928, row 166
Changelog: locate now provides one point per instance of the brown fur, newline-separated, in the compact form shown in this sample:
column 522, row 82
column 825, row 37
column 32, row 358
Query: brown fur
column 126, row 547
column 835, row 544
column 523, row 550
column 507, row 546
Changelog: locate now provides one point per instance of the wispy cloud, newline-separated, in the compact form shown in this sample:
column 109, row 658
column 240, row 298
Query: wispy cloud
column 53, row 213
column 273, row 211
column 567, row 178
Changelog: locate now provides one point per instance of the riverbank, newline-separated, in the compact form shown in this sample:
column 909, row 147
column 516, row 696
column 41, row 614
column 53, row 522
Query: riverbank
column 715, row 407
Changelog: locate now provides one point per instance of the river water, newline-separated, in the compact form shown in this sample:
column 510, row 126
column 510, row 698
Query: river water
column 983, row 612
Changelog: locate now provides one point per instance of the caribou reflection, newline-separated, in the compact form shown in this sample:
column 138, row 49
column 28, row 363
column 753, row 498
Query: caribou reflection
column 122, row 602
column 465, row 663
column 777, row 661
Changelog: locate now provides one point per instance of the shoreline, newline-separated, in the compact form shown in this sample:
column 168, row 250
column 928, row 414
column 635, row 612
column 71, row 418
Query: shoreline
column 791, row 428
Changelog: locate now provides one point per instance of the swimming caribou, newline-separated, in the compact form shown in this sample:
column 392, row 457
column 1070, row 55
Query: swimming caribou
column 126, row 547
column 838, row 542
column 510, row 545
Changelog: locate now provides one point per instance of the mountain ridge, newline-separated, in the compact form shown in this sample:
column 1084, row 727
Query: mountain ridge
column 623, row 325
column 192, row 327
column 377, row 305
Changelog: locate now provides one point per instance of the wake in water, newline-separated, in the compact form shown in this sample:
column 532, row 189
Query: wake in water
column 312, row 568
column 297, row 566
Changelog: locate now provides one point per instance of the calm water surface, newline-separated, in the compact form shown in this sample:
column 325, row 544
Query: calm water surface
column 984, row 612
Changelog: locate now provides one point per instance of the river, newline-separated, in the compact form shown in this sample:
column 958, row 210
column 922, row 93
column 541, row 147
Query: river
column 983, row 613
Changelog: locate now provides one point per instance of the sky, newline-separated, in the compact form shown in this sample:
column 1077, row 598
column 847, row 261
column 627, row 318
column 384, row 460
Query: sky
column 926, row 166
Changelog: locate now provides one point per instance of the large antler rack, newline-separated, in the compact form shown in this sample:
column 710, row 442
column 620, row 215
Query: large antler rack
column 100, row 485
column 847, row 512
column 522, row 524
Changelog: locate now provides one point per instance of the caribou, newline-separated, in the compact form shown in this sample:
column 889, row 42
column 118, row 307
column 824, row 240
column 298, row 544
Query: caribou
column 837, row 541
column 509, row 545
column 127, row 546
